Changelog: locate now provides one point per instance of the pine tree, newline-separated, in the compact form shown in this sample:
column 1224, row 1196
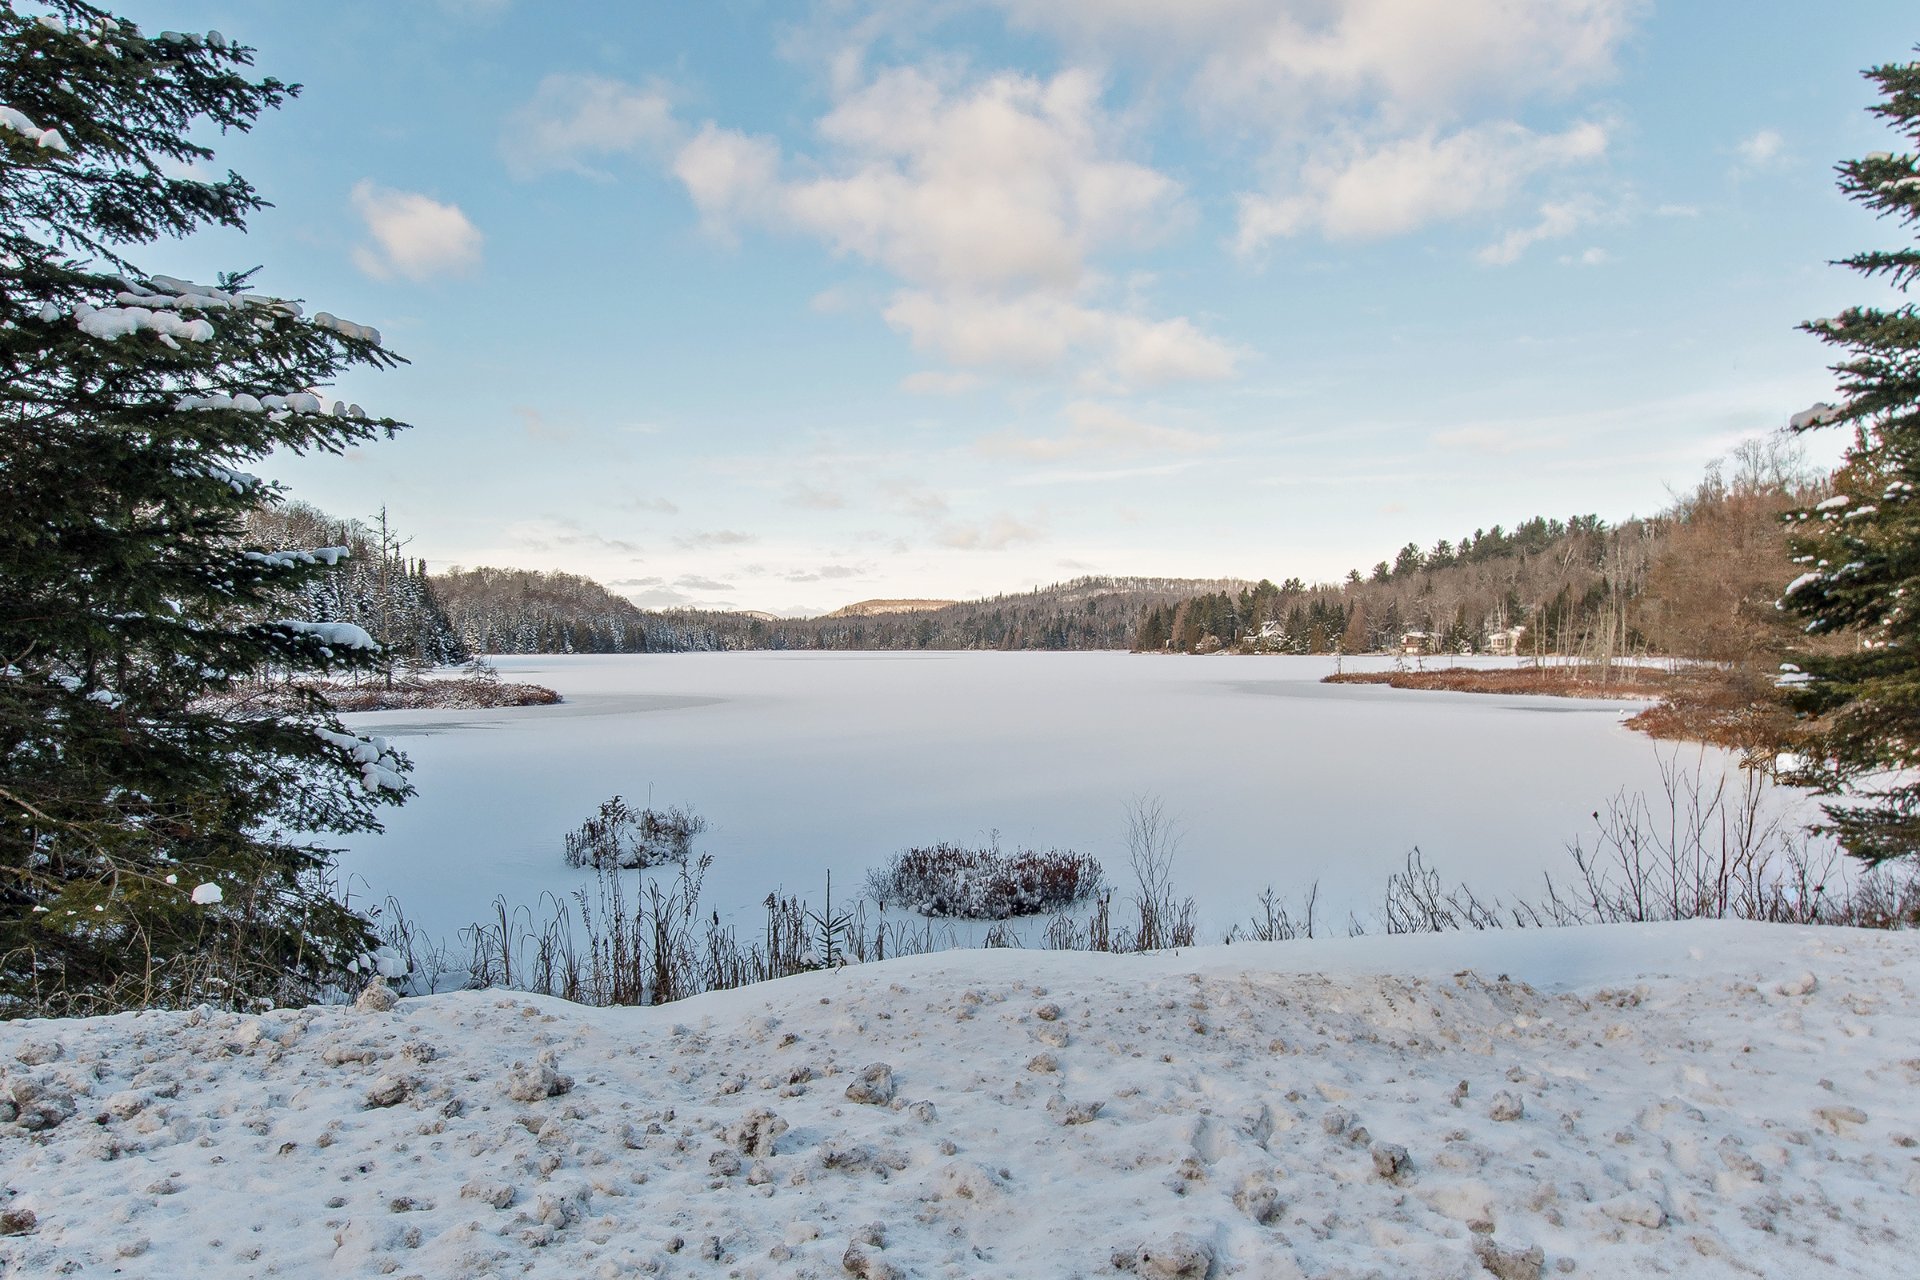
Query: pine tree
column 152, row 851
column 379, row 589
column 1861, row 547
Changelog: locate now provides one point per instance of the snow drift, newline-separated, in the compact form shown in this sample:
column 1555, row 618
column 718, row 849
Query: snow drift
column 1701, row 1099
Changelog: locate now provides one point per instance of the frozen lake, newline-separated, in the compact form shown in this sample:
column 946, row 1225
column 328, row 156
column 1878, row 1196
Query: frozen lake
column 803, row 763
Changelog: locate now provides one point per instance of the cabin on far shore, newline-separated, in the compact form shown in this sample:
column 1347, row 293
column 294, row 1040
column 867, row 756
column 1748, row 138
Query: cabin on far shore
column 1505, row 642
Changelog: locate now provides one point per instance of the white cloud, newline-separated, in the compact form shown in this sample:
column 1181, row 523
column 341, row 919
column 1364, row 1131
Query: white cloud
column 1424, row 98
column 994, row 534
column 1760, row 149
column 1007, row 183
column 913, row 499
column 1038, row 331
column 1413, row 57
column 1371, row 191
column 987, row 201
column 814, row 497
column 1495, row 440
column 1156, row 351
column 668, row 598
column 838, row 299
column 714, row 538
column 829, row 573
column 1032, row 333
column 935, row 382
column 572, row 117
column 1100, row 475
column 1098, row 429
column 414, row 236
column 549, row 534
column 730, row 176
column 1556, row 221
column 1475, row 439
column 538, row 428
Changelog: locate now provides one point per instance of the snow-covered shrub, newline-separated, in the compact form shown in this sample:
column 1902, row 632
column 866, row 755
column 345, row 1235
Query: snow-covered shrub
column 619, row 836
column 985, row 884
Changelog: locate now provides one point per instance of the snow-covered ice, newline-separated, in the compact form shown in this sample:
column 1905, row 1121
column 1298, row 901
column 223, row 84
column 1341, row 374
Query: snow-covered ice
column 806, row 763
column 1705, row 1099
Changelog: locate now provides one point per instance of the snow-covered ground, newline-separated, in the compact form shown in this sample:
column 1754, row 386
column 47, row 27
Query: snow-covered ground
column 1702, row 1100
column 811, row 763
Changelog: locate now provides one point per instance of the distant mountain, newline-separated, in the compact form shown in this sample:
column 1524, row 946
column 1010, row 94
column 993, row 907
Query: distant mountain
column 875, row 608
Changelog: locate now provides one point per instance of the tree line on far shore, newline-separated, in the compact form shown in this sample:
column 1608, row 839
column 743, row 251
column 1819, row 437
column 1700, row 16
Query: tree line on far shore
column 1699, row 580
column 528, row 611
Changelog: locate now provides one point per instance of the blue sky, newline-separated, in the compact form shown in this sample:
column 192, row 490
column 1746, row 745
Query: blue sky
column 779, row 306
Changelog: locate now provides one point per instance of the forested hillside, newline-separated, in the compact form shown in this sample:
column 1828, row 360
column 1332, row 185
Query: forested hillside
column 1559, row 579
column 1085, row 613
column 376, row 587
column 1698, row 580
column 527, row 611
column 524, row 611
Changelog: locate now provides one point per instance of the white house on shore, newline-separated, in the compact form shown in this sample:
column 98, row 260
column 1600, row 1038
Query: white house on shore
column 1505, row 642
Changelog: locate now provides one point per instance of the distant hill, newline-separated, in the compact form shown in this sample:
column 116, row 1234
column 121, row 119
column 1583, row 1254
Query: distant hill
column 527, row 611
column 875, row 608
column 524, row 611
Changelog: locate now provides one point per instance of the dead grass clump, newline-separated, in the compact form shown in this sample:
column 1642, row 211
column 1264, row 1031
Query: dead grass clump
column 620, row 837
column 460, row 693
column 402, row 693
column 1615, row 680
column 984, row 884
column 1723, row 707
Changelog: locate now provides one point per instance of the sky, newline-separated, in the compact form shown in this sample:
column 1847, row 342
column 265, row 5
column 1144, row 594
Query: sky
column 783, row 306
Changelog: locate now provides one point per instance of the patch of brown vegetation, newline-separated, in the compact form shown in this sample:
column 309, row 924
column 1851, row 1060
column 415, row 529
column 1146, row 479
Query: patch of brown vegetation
column 1617, row 681
column 1727, row 708
column 459, row 693
column 406, row 693
column 1723, row 706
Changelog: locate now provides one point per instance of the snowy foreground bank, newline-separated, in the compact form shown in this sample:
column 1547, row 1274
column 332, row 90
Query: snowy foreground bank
column 1697, row 1099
